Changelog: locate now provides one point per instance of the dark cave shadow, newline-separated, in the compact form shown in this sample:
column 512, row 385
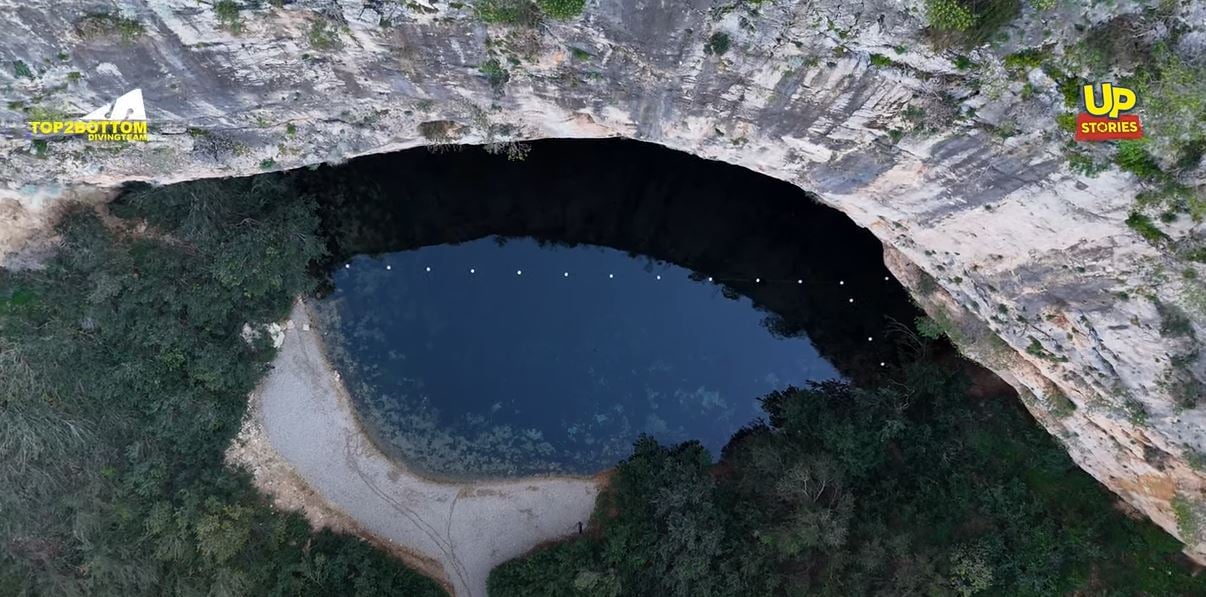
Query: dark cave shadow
column 717, row 220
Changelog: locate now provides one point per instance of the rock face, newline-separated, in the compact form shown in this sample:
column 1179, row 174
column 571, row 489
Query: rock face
column 961, row 173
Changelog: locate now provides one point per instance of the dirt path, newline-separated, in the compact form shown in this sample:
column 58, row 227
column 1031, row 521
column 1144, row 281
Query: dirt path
column 305, row 448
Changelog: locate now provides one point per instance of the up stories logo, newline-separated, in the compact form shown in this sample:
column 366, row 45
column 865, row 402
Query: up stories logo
column 1104, row 120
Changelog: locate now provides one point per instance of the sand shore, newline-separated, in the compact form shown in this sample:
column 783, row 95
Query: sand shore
column 305, row 448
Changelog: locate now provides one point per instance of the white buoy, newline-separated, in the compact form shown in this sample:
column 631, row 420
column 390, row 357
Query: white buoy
column 518, row 272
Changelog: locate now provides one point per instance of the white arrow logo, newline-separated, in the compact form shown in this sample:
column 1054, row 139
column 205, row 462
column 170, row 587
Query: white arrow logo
column 127, row 107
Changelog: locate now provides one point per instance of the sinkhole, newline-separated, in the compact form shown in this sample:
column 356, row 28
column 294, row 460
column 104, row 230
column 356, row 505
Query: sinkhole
column 493, row 318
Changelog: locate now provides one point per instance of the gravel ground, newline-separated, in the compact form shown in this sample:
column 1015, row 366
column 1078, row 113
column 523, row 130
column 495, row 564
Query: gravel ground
column 465, row 529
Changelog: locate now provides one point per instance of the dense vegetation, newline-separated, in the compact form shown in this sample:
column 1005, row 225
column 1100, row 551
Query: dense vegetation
column 902, row 490
column 123, row 378
column 124, row 375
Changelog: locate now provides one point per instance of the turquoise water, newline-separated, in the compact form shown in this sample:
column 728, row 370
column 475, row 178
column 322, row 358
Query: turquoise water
column 497, row 357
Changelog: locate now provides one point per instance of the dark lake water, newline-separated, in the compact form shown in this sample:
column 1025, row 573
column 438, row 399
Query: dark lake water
column 496, row 360
column 494, row 318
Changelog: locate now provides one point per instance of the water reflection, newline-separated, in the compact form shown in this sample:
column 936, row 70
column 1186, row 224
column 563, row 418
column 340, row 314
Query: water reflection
column 504, row 358
column 527, row 345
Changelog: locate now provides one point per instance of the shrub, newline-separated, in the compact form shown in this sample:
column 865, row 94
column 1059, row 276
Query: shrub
column 1143, row 225
column 881, row 61
column 858, row 491
column 227, row 12
column 1174, row 99
column 438, row 131
column 1082, row 162
column 1136, row 413
column 718, row 43
column 1059, row 405
column 124, row 357
column 1066, row 122
column 1174, row 323
column 20, row 69
column 1196, row 459
column 1189, row 518
column 1026, row 60
column 323, row 35
column 928, row 328
column 1037, row 349
column 1186, row 391
column 521, row 13
column 495, row 74
column 1132, row 156
column 106, row 24
column 562, row 10
column 969, row 22
column 948, row 15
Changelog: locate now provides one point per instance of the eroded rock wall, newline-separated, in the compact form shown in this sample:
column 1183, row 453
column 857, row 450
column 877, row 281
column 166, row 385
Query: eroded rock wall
column 961, row 173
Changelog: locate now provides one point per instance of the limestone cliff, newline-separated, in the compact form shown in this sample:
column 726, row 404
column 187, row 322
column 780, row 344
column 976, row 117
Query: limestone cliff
column 952, row 157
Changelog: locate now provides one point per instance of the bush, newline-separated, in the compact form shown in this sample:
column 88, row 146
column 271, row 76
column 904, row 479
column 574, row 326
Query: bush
column 1026, row 60
column 323, row 35
column 928, row 328
column 969, row 22
column 495, row 74
column 881, row 61
column 718, row 44
column 948, row 15
column 438, row 131
column 125, row 356
column 1143, row 225
column 858, row 491
column 1132, row 156
column 97, row 25
column 21, row 70
column 1066, row 122
column 227, row 12
column 521, row 13
column 1174, row 322
column 562, row 10
column 1174, row 100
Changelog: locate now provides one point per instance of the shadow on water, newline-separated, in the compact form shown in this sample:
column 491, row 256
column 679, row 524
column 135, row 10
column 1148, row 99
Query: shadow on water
column 718, row 220
column 753, row 235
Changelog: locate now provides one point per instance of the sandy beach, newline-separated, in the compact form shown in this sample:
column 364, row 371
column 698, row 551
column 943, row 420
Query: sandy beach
column 305, row 448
